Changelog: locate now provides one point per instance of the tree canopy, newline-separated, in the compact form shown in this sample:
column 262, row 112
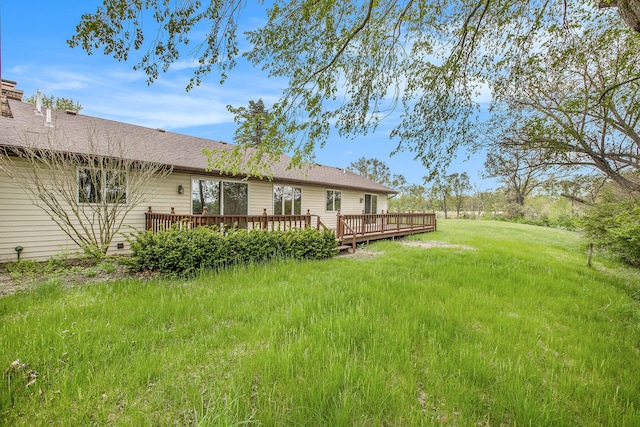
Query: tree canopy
column 348, row 64
column 519, row 168
column 253, row 136
column 577, row 103
column 378, row 171
column 64, row 104
column 253, row 123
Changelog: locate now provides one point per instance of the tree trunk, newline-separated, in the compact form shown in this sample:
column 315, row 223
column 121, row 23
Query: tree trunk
column 629, row 11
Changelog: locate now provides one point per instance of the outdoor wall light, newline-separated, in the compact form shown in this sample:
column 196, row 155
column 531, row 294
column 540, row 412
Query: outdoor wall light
column 361, row 200
column 19, row 250
column 180, row 189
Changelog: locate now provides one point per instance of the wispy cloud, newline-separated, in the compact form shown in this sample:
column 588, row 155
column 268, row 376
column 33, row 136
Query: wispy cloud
column 116, row 92
column 113, row 90
column 184, row 65
column 160, row 111
column 128, row 76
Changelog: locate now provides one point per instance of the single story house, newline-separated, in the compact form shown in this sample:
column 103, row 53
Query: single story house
column 320, row 190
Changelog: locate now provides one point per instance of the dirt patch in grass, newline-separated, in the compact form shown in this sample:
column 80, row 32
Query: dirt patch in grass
column 7, row 286
column 71, row 276
column 362, row 253
column 435, row 244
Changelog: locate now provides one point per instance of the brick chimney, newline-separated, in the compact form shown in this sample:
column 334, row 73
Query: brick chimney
column 9, row 91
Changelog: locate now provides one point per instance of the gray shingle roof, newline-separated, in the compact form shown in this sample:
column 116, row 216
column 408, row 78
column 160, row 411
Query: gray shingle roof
column 75, row 132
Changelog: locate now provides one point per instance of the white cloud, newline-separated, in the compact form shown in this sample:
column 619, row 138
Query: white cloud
column 17, row 70
column 483, row 95
column 158, row 110
column 118, row 93
column 128, row 76
column 184, row 65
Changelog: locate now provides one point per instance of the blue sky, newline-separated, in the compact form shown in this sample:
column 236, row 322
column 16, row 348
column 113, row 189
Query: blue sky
column 36, row 55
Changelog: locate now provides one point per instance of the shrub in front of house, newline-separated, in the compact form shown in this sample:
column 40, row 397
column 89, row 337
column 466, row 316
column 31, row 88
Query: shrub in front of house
column 187, row 251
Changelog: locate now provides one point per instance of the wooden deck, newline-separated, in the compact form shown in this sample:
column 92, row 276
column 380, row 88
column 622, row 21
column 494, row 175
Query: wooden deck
column 354, row 229
column 350, row 229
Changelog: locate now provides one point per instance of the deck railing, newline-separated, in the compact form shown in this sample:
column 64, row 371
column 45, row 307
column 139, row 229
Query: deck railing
column 158, row 221
column 350, row 229
column 397, row 224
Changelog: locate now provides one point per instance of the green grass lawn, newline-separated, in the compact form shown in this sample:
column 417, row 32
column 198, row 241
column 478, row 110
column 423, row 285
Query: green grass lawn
column 505, row 326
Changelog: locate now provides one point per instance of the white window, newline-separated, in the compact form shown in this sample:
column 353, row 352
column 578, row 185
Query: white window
column 370, row 203
column 334, row 200
column 98, row 185
column 287, row 200
column 220, row 197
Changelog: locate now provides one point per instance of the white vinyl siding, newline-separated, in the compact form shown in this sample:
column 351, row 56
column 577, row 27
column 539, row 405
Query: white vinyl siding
column 260, row 197
column 315, row 200
column 26, row 225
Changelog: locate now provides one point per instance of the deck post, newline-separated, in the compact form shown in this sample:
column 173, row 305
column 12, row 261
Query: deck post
column 308, row 219
column 149, row 221
column 199, row 221
column 264, row 221
column 384, row 220
column 339, row 227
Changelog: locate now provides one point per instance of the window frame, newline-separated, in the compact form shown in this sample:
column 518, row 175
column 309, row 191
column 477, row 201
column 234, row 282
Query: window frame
column 220, row 185
column 372, row 197
column 101, row 194
column 224, row 186
column 333, row 201
column 295, row 191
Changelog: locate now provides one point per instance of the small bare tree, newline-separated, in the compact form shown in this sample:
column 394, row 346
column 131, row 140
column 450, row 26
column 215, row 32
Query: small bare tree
column 88, row 194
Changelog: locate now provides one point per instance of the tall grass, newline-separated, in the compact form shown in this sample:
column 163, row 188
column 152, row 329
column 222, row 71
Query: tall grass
column 509, row 327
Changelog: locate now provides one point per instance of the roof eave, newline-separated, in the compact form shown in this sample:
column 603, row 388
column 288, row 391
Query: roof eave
column 282, row 179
